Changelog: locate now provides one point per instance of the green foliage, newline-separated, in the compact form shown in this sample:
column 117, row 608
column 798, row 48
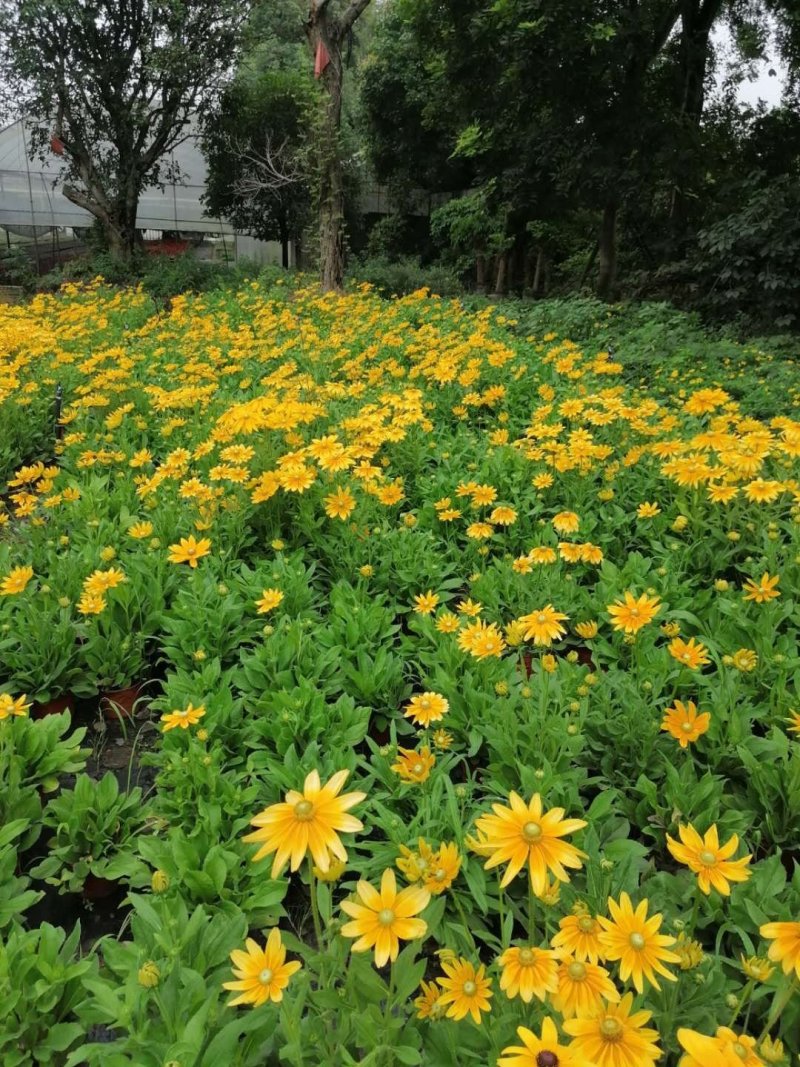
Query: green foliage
column 95, row 825
column 42, row 981
column 405, row 276
column 752, row 257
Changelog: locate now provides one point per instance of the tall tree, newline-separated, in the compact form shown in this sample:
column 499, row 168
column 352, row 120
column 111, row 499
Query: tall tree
column 113, row 86
column 256, row 145
column 328, row 28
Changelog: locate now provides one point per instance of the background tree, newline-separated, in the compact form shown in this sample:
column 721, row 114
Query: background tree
column 256, row 146
column 116, row 84
column 328, row 27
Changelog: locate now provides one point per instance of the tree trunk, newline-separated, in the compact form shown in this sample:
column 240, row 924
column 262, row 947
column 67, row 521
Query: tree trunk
column 538, row 274
column 331, row 190
column 607, row 251
column 500, row 276
column 284, row 236
column 328, row 31
column 119, row 228
column 480, row 273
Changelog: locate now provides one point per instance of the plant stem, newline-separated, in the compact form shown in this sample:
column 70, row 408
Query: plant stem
column 748, row 989
column 312, row 884
column 531, row 913
column 779, row 1003
column 502, row 912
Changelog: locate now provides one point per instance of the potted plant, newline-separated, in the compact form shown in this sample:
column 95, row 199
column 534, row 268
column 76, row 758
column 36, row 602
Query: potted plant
column 33, row 755
column 95, row 825
column 39, row 656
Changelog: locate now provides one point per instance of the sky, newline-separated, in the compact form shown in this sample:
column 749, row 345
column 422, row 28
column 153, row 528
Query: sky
column 770, row 75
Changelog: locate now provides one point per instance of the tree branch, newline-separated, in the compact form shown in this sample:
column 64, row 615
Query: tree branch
column 356, row 8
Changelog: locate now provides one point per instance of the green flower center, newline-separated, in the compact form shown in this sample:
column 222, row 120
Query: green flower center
column 586, row 924
column 686, row 727
column 386, row 917
column 265, row 977
column 526, row 956
column 418, row 768
column 531, row 831
column 469, row 988
column 637, row 942
column 440, row 875
column 576, row 971
column 304, row 810
column 708, row 859
column 611, row 1029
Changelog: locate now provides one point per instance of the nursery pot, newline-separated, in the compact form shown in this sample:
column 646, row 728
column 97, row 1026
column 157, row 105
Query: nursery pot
column 118, row 703
column 95, row 888
column 52, row 707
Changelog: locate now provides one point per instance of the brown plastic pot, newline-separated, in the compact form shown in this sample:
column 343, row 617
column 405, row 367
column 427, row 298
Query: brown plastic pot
column 119, row 703
column 527, row 663
column 52, row 707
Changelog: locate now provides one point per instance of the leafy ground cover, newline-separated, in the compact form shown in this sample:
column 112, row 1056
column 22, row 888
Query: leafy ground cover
column 463, row 662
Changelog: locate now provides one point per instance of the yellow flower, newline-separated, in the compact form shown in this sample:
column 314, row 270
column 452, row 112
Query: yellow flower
column 544, row 1051
column 385, row 918
column 772, row 1050
column 366, row 571
column 139, row 530
column 425, row 603
column 579, row 936
column 503, row 516
column 261, row 974
column 11, row 708
column 544, row 626
column 582, row 988
column 587, row 630
column 270, row 599
column 447, row 623
column 481, row 639
column 785, row 947
column 428, row 1002
column 467, row 991
column 184, row 717
column 92, row 604
column 426, row 708
column 738, row 1045
column 15, row 581
column 442, row 739
column 566, row 522
column 744, row 660
column 307, row 822
column 528, row 972
column 684, row 722
column 159, row 883
column 615, row 1037
column 704, row 1051
column 549, row 664
column 149, row 975
column 763, row 591
column 633, row 939
column 334, row 872
column 339, row 505
column 189, row 550
column 414, row 765
column 708, row 860
column 631, row 614
column 648, row 510
column 690, row 952
column 526, row 834
column 691, row 653
column 757, row 968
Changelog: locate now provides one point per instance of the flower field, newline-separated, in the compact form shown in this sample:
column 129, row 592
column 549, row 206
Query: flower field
column 458, row 672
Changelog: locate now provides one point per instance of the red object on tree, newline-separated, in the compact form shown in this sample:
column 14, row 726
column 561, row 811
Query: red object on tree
column 321, row 59
column 57, row 145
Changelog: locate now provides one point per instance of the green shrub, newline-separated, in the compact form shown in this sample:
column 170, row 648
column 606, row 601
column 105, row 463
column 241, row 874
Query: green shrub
column 405, row 276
